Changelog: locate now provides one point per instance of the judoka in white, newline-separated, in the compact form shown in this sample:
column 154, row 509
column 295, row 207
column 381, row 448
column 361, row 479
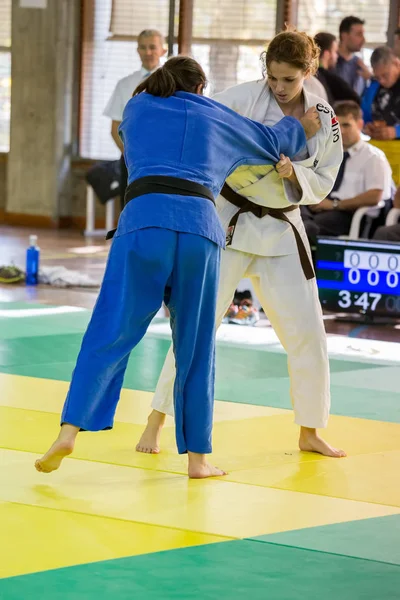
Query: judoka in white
column 265, row 249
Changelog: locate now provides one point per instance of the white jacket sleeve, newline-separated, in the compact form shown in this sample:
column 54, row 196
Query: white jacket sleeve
column 115, row 105
column 317, row 180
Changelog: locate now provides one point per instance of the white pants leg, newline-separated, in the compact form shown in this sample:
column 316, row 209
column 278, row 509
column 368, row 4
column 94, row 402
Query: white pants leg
column 291, row 304
column 233, row 268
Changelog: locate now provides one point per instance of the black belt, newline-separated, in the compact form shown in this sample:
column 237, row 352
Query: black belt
column 246, row 205
column 161, row 184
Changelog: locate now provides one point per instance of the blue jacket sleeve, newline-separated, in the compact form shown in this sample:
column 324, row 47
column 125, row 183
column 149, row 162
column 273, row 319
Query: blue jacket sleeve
column 291, row 136
column 257, row 141
column 367, row 99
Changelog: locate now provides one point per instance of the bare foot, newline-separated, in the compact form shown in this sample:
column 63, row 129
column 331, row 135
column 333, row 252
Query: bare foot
column 62, row 447
column 311, row 442
column 199, row 468
column 149, row 443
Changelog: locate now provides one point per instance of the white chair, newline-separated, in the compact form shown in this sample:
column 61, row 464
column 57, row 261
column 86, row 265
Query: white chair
column 393, row 216
column 90, row 229
column 368, row 211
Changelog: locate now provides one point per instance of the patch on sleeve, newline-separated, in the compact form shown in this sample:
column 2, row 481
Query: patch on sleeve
column 323, row 109
column 335, row 127
column 334, row 122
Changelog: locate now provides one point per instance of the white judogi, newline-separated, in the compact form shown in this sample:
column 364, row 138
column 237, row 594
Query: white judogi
column 265, row 251
column 313, row 86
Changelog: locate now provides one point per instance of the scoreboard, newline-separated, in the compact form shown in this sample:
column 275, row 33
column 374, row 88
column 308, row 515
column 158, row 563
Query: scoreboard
column 359, row 276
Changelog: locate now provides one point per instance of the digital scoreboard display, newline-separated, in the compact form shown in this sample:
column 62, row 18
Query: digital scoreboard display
column 359, row 276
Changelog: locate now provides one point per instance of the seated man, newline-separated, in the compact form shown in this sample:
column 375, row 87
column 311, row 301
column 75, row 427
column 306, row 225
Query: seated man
column 336, row 87
column 364, row 179
column 381, row 101
column 390, row 233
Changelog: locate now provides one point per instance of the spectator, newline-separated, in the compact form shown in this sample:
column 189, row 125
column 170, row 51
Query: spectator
column 336, row 87
column 390, row 233
column 349, row 66
column 150, row 49
column 364, row 179
column 381, row 101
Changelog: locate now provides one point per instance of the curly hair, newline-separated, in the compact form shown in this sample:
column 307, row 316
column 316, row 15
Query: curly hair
column 293, row 47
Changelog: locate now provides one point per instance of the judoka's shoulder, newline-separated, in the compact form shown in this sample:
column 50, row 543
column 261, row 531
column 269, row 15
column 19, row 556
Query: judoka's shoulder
column 324, row 109
column 247, row 92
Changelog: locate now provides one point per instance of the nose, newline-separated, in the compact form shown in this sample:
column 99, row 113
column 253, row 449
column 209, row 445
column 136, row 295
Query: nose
column 279, row 88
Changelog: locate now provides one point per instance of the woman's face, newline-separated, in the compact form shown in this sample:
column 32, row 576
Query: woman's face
column 285, row 81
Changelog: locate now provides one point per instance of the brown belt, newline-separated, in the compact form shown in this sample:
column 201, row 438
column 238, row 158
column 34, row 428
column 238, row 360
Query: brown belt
column 261, row 211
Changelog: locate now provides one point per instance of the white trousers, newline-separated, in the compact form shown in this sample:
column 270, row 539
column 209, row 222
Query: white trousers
column 291, row 304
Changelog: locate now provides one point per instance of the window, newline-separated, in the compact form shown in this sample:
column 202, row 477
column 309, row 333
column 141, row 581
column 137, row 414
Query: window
column 109, row 52
column 228, row 37
column 5, row 74
column 325, row 15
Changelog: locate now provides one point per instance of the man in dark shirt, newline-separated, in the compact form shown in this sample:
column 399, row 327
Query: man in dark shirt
column 381, row 101
column 349, row 66
column 336, row 87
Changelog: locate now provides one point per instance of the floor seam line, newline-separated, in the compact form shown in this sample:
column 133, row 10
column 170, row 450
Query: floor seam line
column 383, row 562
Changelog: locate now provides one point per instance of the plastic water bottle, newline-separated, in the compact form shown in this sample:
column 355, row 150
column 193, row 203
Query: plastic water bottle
column 32, row 261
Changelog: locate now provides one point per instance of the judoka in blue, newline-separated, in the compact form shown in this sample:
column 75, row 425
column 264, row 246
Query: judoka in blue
column 167, row 248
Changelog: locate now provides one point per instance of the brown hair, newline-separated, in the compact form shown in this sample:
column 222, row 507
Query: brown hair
column 324, row 40
column 293, row 47
column 348, row 107
column 347, row 23
column 178, row 74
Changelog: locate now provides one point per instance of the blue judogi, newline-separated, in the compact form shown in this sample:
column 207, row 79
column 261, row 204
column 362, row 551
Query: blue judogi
column 167, row 247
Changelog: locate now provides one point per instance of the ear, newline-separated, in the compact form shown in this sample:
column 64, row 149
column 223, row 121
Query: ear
column 360, row 123
column 199, row 89
column 307, row 74
column 164, row 51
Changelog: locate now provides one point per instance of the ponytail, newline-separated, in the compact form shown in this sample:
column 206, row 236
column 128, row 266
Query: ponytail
column 160, row 83
column 178, row 74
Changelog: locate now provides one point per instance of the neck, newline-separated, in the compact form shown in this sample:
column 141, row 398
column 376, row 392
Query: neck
column 345, row 52
column 288, row 108
column 324, row 62
column 350, row 145
column 148, row 69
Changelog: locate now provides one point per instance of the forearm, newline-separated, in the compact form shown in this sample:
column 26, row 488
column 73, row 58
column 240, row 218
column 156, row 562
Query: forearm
column 396, row 201
column 115, row 135
column 293, row 179
column 291, row 136
column 370, row 198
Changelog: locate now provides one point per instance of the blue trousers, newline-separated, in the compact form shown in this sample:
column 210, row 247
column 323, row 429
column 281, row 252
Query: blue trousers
column 144, row 268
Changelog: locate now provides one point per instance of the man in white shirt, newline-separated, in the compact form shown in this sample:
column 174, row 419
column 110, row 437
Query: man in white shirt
column 364, row 179
column 150, row 49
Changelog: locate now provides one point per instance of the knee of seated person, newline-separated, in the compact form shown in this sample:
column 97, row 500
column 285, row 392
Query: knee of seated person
column 382, row 233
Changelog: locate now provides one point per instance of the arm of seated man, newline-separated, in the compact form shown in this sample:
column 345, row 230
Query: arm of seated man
column 382, row 132
column 396, row 201
column 369, row 198
column 115, row 134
